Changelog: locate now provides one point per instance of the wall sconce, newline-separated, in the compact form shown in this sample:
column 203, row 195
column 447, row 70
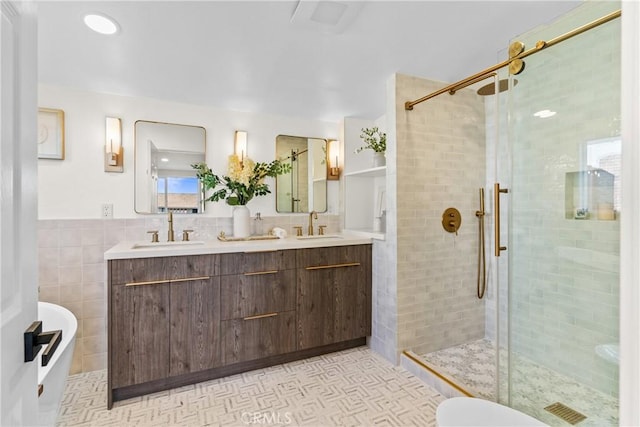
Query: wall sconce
column 240, row 145
column 113, row 157
column 333, row 164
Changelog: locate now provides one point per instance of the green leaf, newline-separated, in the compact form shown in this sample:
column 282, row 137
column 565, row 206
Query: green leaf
column 236, row 193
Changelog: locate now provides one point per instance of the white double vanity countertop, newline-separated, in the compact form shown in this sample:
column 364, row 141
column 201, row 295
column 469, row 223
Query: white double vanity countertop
column 129, row 249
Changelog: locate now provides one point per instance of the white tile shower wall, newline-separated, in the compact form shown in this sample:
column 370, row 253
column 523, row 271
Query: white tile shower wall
column 384, row 333
column 72, row 270
column 384, row 299
column 440, row 163
column 565, row 287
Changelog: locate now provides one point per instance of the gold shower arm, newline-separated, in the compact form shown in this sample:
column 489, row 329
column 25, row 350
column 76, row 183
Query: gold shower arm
column 539, row 46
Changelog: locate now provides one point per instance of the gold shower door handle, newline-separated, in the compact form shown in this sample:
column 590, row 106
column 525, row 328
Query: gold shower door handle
column 496, row 216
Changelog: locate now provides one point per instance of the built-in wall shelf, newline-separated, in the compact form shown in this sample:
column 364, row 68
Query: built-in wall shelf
column 365, row 201
column 369, row 173
column 364, row 186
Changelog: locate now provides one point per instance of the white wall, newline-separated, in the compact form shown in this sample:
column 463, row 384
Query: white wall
column 77, row 186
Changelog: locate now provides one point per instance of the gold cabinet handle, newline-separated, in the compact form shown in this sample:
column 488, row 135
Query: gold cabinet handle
column 496, row 216
column 152, row 282
column 188, row 279
column 256, row 273
column 322, row 267
column 158, row 282
column 260, row 316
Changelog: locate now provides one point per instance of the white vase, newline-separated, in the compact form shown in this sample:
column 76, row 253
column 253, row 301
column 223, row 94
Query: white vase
column 379, row 159
column 241, row 221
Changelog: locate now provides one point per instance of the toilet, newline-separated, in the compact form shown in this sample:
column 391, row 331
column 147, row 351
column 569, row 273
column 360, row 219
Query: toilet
column 469, row 411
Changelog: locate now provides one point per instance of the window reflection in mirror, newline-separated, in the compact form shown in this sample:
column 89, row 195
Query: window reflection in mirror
column 304, row 189
column 164, row 178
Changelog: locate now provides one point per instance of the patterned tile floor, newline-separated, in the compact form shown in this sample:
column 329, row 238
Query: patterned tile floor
column 350, row 388
column 535, row 387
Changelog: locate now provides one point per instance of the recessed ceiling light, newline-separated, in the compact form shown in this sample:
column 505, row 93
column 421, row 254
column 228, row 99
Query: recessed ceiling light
column 101, row 24
column 543, row 114
column 326, row 16
column 164, row 159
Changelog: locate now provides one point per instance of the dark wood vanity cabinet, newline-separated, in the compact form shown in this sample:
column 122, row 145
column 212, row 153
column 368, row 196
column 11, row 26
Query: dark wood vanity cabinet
column 179, row 320
column 170, row 329
column 258, row 309
column 195, row 326
column 141, row 352
column 164, row 318
column 334, row 294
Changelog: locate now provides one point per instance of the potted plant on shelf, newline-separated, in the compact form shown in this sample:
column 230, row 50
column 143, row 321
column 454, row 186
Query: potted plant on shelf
column 243, row 182
column 376, row 141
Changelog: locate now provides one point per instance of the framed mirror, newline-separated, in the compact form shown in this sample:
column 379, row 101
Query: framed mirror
column 164, row 179
column 304, row 189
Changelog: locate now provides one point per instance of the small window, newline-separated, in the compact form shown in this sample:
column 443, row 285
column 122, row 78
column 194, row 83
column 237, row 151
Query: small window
column 179, row 194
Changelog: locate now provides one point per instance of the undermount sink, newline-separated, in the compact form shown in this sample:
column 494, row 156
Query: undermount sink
column 147, row 245
column 320, row 236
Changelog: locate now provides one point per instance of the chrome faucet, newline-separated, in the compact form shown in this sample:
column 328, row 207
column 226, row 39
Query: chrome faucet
column 312, row 215
column 170, row 233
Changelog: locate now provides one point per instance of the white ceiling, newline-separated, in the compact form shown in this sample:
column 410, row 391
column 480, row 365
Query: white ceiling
column 249, row 56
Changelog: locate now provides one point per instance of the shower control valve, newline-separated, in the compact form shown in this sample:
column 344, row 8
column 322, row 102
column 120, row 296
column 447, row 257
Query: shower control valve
column 451, row 220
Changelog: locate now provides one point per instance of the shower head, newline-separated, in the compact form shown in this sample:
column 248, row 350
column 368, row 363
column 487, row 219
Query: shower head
column 490, row 89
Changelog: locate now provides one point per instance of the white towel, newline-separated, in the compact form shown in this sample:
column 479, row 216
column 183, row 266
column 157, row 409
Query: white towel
column 280, row 233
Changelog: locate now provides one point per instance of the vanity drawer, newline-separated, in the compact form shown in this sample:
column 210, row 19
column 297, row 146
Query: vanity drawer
column 255, row 262
column 335, row 256
column 257, row 337
column 244, row 295
column 139, row 270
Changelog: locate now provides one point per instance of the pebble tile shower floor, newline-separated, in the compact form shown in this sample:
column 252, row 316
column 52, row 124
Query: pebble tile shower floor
column 473, row 365
column 350, row 388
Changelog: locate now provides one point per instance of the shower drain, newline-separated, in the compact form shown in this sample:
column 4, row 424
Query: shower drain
column 563, row 411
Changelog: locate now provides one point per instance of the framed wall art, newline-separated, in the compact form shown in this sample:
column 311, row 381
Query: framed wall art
column 50, row 134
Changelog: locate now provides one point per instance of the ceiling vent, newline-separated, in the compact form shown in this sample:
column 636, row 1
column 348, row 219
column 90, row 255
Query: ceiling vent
column 326, row 16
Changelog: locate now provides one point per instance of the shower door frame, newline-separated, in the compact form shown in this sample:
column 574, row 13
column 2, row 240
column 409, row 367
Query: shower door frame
column 630, row 222
column 505, row 395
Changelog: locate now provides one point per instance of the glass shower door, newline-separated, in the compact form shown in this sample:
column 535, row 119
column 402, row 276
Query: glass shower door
column 563, row 225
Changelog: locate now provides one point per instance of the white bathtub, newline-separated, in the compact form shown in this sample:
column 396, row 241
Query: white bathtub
column 54, row 375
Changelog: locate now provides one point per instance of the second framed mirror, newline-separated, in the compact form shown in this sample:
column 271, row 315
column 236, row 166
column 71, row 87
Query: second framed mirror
column 304, row 189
